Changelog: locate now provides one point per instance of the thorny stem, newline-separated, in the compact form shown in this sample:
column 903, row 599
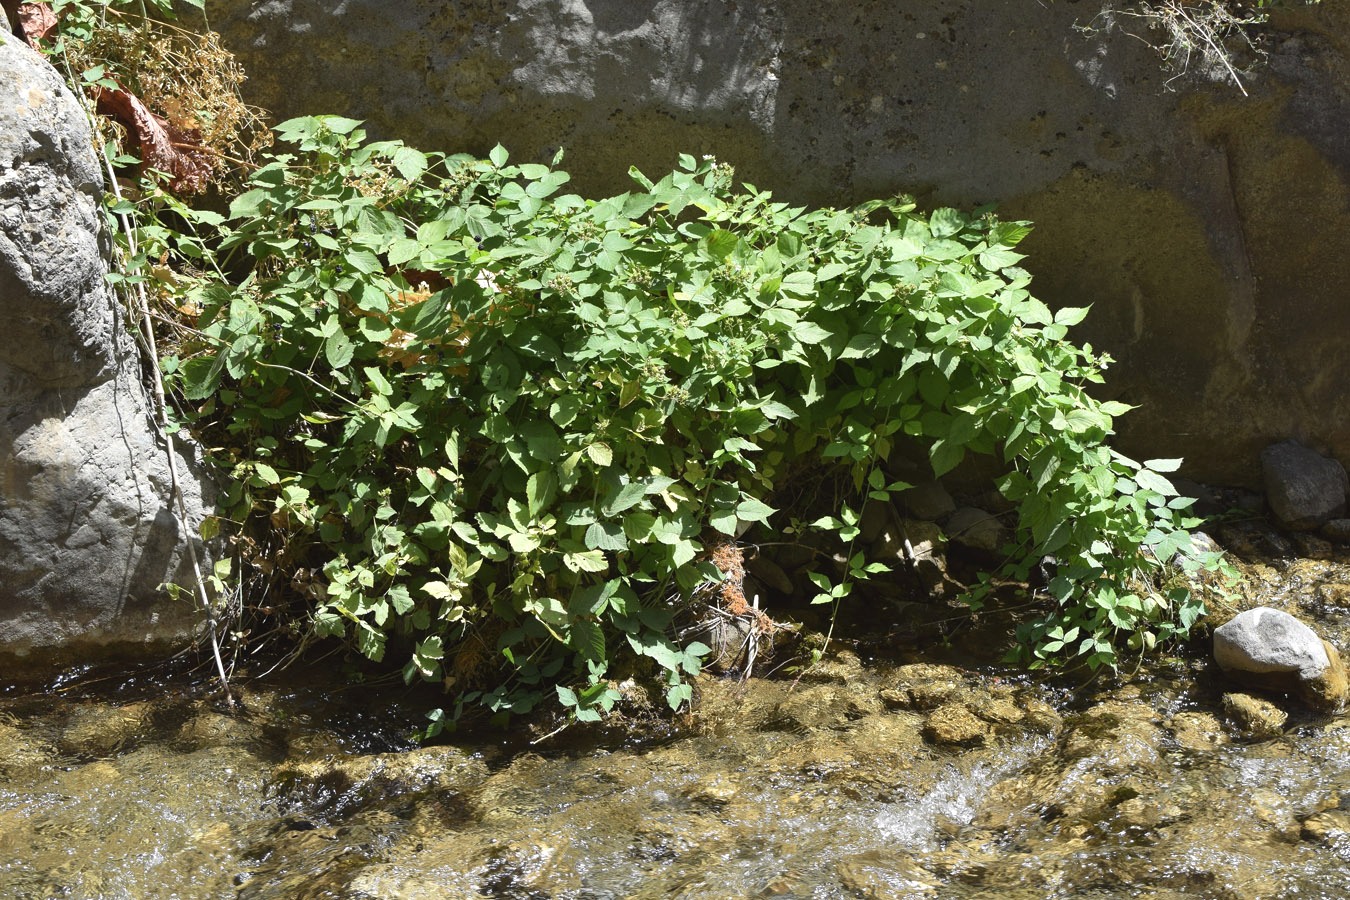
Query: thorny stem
column 147, row 335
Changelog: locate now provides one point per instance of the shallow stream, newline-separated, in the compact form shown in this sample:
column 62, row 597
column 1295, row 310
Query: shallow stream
column 923, row 775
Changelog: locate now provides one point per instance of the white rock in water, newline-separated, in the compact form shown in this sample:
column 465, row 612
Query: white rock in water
column 1268, row 640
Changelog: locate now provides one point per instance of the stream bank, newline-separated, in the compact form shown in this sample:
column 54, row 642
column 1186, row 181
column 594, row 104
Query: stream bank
column 925, row 772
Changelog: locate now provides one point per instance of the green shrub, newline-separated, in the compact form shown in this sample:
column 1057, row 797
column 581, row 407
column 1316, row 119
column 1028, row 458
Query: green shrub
column 508, row 422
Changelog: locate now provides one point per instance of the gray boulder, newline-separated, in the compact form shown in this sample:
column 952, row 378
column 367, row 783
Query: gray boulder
column 929, row 501
column 976, row 529
column 87, row 531
column 1304, row 488
column 1270, row 649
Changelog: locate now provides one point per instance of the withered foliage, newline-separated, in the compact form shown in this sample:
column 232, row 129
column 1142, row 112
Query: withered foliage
column 170, row 95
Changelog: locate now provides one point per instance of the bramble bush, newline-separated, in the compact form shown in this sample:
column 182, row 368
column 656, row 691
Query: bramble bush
column 501, row 425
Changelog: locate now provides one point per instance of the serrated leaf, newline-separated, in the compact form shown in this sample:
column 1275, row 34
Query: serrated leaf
column 363, row 261
column 724, row 520
column 1152, row 481
column 400, row 599
column 1163, row 465
column 588, row 561
column 338, row 349
column 540, row 489
column 600, row 454
column 946, row 222
column 753, row 510
column 606, row 536
column 265, row 474
column 410, row 163
column 629, row 496
column 1071, row 315
column 587, row 638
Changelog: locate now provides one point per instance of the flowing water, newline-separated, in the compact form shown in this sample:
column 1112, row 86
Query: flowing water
column 924, row 775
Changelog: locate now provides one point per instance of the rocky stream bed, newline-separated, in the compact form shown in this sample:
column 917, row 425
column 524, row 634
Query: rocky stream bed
column 927, row 772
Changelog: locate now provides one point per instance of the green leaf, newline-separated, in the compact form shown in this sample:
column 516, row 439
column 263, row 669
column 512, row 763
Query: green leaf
column 945, row 457
column 410, row 163
column 629, row 496
column 606, row 536
column 201, row 376
column 540, row 489
column 1154, row 482
column 752, row 510
column 363, row 261
column 338, row 349
column 600, row 454
column 724, row 520
column 587, row 639
column 1163, row 465
column 946, row 222
column 719, row 243
column 265, row 474
column 1071, row 315
column 498, row 156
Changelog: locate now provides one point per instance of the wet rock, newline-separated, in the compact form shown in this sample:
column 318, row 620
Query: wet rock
column 1138, row 814
column 729, row 638
column 1330, row 826
column 334, row 787
column 829, row 705
column 913, row 544
column 976, row 529
column 1310, row 546
column 998, row 710
column 1254, row 717
column 1042, row 716
column 1337, row 530
column 1335, row 594
column 875, row 516
column 395, row 882
column 20, row 752
column 1272, row 650
column 1304, row 488
column 925, row 686
column 1198, row 731
column 718, row 789
column 771, row 573
column 928, row 501
column 880, row 875
column 840, row 667
column 98, row 730
column 1275, row 811
column 955, row 725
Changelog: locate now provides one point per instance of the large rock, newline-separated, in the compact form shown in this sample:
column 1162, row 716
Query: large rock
column 87, row 533
column 1205, row 227
column 1305, row 490
column 1272, row 650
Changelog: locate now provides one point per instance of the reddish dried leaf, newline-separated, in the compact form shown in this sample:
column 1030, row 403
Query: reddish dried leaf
column 36, row 19
column 162, row 146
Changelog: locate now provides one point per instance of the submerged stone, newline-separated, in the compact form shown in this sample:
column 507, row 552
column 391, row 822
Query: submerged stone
column 954, row 724
column 1254, row 717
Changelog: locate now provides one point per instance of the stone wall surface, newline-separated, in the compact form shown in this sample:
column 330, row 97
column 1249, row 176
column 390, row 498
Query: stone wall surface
column 87, row 533
column 1207, row 228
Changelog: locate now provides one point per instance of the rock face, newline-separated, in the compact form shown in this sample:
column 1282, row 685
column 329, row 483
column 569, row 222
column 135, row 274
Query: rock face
column 1304, row 489
column 1273, row 650
column 87, row 533
column 1206, row 228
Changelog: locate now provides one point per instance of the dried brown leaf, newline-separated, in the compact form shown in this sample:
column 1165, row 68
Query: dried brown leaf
column 163, row 147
